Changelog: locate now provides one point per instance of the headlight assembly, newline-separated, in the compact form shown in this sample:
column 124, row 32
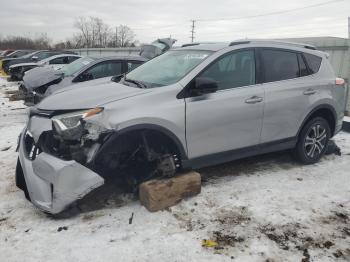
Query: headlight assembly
column 69, row 126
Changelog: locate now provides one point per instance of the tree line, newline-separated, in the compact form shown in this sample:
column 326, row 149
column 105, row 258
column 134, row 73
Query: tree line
column 91, row 32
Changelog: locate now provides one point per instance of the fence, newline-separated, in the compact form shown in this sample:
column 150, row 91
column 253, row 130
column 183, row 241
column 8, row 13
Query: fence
column 100, row 52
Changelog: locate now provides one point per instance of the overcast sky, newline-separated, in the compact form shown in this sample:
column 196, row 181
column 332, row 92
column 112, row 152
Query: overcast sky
column 161, row 18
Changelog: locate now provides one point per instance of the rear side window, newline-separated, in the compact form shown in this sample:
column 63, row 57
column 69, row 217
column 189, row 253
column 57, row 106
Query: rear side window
column 279, row 65
column 302, row 66
column 59, row 61
column 72, row 58
column 314, row 62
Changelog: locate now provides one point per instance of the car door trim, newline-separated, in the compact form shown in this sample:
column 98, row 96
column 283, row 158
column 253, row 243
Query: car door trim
column 227, row 156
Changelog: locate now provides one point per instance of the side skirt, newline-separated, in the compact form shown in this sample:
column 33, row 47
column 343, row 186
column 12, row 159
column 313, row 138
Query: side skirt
column 227, row 156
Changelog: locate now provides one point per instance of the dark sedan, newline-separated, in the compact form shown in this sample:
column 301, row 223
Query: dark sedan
column 39, row 82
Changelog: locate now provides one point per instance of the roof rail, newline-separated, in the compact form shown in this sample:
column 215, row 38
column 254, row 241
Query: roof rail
column 239, row 43
column 311, row 47
column 201, row 43
column 190, row 44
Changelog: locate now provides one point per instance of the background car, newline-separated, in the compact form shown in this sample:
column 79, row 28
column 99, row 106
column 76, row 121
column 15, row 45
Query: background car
column 17, row 53
column 157, row 47
column 100, row 68
column 32, row 57
column 6, row 52
column 55, row 62
column 11, row 54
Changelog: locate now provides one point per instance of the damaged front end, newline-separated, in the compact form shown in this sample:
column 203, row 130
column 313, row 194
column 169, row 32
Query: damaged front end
column 64, row 155
column 54, row 153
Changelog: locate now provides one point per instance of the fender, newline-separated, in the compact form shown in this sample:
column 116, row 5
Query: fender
column 322, row 106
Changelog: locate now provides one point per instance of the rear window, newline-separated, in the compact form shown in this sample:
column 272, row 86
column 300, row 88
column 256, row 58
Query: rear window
column 279, row 65
column 314, row 62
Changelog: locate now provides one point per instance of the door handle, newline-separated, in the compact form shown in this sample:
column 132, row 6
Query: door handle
column 309, row 92
column 254, row 100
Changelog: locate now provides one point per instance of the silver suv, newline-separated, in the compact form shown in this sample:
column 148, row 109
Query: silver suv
column 194, row 106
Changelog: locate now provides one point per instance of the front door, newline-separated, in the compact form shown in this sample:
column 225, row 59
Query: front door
column 230, row 118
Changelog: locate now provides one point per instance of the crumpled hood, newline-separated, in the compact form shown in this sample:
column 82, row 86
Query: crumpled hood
column 39, row 76
column 67, row 85
column 84, row 97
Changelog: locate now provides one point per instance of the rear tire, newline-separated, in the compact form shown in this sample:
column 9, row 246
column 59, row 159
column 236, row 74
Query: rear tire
column 313, row 141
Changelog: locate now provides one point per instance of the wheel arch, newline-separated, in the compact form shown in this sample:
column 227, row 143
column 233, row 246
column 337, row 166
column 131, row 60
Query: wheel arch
column 326, row 111
column 164, row 132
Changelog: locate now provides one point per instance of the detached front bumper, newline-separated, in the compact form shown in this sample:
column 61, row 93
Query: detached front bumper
column 52, row 183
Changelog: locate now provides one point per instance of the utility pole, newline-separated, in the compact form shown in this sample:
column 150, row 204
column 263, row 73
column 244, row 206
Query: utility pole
column 116, row 36
column 192, row 30
column 349, row 27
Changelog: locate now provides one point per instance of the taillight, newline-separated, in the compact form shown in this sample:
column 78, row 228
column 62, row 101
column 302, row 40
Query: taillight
column 339, row 81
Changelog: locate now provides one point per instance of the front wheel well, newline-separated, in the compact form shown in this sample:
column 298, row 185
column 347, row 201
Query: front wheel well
column 325, row 113
column 121, row 146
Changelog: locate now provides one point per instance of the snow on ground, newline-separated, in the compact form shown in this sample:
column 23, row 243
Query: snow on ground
column 265, row 208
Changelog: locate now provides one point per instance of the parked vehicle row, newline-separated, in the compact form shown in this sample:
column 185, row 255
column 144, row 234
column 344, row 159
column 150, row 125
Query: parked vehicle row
column 6, row 52
column 56, row 62
column 191, row 107
column 41, row 82
column 26, row 56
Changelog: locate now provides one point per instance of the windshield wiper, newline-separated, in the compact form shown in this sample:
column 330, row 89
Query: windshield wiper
column 138, row 83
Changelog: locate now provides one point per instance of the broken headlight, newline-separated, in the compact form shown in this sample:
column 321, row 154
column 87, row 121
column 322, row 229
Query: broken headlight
column 69, row 126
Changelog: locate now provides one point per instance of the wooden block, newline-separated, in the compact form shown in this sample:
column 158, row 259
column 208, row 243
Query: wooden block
column 159, row 194
column 16, row 97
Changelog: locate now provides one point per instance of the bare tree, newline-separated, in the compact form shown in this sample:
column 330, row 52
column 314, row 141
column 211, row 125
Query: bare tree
column 126, row 36
column 84, row 26
column 92, row 31
column 20, row 42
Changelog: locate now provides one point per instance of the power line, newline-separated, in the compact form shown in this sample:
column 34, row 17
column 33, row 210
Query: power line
column 272, row 13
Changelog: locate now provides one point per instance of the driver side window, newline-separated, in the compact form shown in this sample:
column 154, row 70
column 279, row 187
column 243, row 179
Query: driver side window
column 233, row 70
column 104, row 69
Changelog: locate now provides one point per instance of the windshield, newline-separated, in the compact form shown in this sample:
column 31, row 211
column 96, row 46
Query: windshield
column 168, row 68
column 75, row 66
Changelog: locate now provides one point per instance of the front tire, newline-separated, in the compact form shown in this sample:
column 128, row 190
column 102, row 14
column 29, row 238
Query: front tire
column 313, row 141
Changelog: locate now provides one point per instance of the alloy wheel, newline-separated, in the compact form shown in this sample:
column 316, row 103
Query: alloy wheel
column 315, row 141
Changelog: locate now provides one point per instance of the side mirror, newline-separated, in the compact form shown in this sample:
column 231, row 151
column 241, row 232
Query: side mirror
column 204, row 85
column 35, row 58
column 117, row 78
column 84, row 77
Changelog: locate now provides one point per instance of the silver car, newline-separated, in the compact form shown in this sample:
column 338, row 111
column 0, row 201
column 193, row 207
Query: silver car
column 195, row 106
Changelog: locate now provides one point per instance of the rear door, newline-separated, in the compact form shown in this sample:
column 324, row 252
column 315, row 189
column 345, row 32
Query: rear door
column 289, row 90
column 231, row 118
